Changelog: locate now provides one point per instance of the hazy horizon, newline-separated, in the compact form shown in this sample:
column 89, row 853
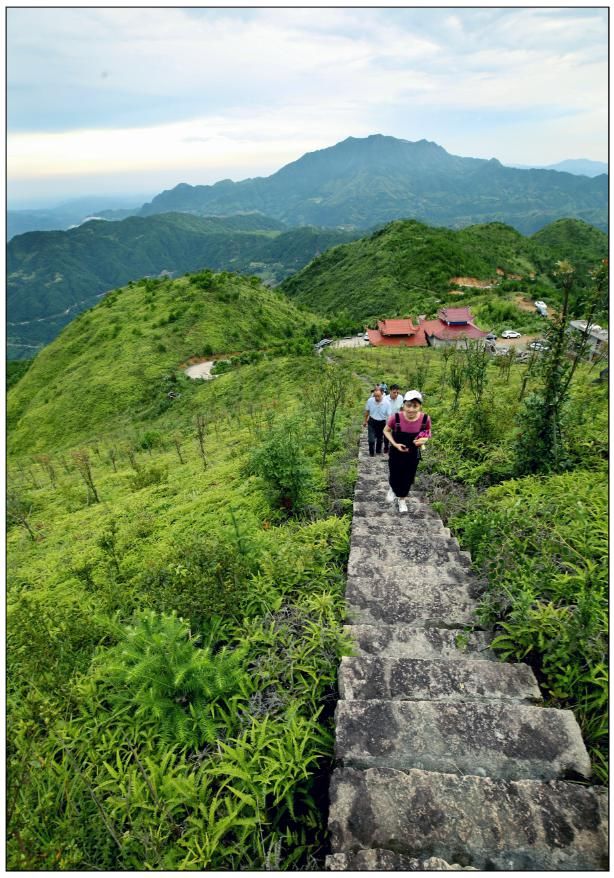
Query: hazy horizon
column 123, row 100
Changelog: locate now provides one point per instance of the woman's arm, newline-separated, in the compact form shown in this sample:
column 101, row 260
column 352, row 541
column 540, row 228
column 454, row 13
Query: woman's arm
column 388, row 435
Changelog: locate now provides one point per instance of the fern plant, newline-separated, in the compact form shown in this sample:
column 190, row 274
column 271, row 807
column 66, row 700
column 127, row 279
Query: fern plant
column 161, row 673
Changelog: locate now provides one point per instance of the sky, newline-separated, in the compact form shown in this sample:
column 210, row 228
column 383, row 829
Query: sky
column 122, row 100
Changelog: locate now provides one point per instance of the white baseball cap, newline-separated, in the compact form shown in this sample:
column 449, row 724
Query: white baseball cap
column 412, row 394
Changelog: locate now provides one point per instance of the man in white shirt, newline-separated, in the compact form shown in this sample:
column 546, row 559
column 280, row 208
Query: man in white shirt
column 395, row 401
column 377, row 411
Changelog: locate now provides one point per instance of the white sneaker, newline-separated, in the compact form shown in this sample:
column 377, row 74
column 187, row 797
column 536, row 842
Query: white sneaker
column 390, row 496
column 402, row 505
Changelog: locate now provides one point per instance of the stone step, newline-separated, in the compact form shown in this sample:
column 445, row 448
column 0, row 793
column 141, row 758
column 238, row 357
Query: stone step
column 432, row 597
column 379, row 860
column 485, row 823
column 390, row 524
column 403, row 641
column 397, row 556
column 509, row 741
column 406, row 679
column 371, row 509
column 405, row 526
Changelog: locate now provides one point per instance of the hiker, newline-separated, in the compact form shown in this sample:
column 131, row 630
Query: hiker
column 377, row 410
column 406, row 431
column 395, row 400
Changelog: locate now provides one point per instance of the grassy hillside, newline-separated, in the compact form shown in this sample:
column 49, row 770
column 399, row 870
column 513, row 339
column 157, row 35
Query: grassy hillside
column 188, row 566
column 52, row 276
column 405, row 268
column 121, row 359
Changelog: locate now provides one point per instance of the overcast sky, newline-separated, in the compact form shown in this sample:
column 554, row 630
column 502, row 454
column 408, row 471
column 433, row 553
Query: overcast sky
column 140, row 99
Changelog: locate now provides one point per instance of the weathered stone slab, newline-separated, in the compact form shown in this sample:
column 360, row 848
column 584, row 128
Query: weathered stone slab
column 397, row 555
column 443, row 599
column 389, row 526
column 482, row 822
column 495, row 740
column 379, row 860
column 404, row 641
column 363, row 678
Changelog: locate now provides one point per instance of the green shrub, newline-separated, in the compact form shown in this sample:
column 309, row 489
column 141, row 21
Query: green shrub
column 282, row 463
column 543, row 543
column 151, row 475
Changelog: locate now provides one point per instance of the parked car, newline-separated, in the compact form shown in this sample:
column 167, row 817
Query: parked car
column 541, row 307
column 538, row 346
column 510, row 333
column 365, row 337
column 492, row 336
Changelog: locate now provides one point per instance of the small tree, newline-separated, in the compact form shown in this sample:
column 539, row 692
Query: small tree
column 325, row 396
column 540, row 446
column 200, row 435
column 282, row 464
column 112, row 455
column 177, row 440
column 84, row 467
column 457, row 380
column 18, row 511
column 45, row 461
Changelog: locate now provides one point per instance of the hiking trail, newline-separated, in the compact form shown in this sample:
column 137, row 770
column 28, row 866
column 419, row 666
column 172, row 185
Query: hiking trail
column 445, row 757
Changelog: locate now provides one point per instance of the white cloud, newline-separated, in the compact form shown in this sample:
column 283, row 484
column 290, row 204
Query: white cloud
column 213, row 89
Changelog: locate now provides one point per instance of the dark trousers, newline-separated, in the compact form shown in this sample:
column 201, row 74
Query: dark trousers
column 375, row 435
column 402, row 466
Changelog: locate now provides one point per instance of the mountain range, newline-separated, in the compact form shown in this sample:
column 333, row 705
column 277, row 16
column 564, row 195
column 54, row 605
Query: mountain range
column 362, row 182
column 52, row 276
column 336, row 186
column 585, row 167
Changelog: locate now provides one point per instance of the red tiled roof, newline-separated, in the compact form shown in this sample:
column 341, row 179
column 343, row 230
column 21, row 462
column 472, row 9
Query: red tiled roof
column 396, row 327
column 455, row 315
column 416, row 340
column 441, row 330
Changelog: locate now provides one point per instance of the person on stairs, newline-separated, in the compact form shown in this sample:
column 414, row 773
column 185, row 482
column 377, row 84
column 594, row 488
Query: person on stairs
column 407, row 431
column 377, row 410
column 395, row 400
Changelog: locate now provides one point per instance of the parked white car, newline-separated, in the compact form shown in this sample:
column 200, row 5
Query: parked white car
column 366, row 336
column 510, row 333
column 541, row 307
column 538, row 346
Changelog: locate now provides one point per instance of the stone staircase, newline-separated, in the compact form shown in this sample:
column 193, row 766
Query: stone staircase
column 446, row 759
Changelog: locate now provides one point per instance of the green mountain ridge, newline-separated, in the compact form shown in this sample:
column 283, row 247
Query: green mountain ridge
column 406, row 267
column 122, row 357
column 54, row 275
column 364, row 182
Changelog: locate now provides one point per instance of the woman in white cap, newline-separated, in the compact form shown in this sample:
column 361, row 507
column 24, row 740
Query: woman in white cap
column 407, row 431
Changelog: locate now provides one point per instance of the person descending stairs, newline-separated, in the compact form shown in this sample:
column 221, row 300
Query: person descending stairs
column 446, row 757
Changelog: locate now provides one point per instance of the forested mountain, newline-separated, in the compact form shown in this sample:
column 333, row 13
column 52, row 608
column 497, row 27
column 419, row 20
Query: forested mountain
column 52, row 276
column 362, row 182
column 406, row 267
